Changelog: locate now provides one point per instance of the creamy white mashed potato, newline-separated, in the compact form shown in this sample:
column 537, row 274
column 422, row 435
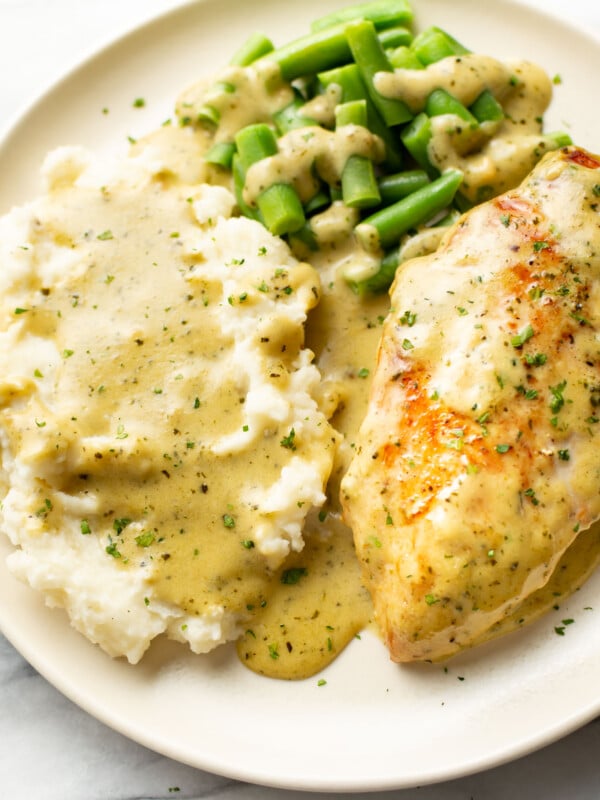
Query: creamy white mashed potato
column 161, row 444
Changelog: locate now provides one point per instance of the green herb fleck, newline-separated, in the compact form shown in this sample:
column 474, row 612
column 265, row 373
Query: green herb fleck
column 292, row 576
column 84, row 526
column 289, row 440
column 120, row 524
column 408, row 318
column 145, row 539
column 522, row 337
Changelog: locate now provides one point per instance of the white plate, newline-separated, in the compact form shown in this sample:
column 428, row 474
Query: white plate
column 373, row 725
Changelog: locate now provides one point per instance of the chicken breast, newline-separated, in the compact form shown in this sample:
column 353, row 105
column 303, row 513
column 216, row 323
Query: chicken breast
column 478, row 461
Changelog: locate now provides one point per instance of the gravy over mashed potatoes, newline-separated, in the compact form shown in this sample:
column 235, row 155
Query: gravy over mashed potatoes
column 162, row 445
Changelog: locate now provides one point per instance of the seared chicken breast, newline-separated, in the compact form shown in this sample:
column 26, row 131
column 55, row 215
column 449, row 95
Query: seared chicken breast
column 478, row 461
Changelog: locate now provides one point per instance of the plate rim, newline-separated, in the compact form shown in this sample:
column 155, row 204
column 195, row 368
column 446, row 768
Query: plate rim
column 548, row 736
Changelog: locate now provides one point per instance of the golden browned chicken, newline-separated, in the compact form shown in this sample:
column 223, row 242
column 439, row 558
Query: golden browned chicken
column 478, row 461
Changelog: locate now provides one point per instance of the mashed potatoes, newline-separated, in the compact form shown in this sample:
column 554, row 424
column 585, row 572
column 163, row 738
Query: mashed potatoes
column 161, row 442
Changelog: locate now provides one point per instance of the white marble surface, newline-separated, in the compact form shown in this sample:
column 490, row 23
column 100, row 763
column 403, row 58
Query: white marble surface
column 51, row 750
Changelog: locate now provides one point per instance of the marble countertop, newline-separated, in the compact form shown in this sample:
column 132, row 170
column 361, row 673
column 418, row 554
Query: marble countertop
column 52, row 750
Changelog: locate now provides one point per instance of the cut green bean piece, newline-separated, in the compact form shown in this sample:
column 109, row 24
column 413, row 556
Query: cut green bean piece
column 442, row 102
column 349, row 80
column 416, row 137
column 352, row 86
column 486, row 108
column 320, row 200
column 434, row 44
column 353, row 112
column 312, row 53
column 209, row 114
column 382, row 280
column 239, row 178
column 302, row 239
column 255, row 142
column 556, row 139
column 395, row 37
column 383, row 229
column 281, row 209
column 404, row 58
column 292, row 117
column 382, row 13
column 370, row 57
column 394, row 187
column 279, row 205
column 221, row 154
column 256, row 46
column 359, row 185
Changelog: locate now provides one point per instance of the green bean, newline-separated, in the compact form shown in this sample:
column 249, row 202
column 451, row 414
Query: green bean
column 359, row 185
column 303, row 239
column 353, row 112
column 253, row 48
column 395, row 37
column 320, row 199
column 209, row 114
column 556, row 140
column 239, row 179
column 278, row 204
column 416, row 137
column 384, row 228
column 291, row 117
column 353, row 87
column 255, row 142
column 281, row 209
column 383, row 14
column 220, row 154
column 370, row 57
column 394, row 187
column 404, row 58
column 434, row 44
column 382, row 279
column 442, row 102
column 312, row 53
column 486, row 108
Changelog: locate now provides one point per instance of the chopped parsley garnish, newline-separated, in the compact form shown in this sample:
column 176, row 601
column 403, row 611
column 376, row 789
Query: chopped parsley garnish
column 292, row 576
column 522, row 337
column 111, row 549
column 84, row 526
column 557, row 401
column 408, row 318
column 228, row 521
column 537, row 246
column 535, row 359
column 145, row 539
column 119, row 525
column 289, row 441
